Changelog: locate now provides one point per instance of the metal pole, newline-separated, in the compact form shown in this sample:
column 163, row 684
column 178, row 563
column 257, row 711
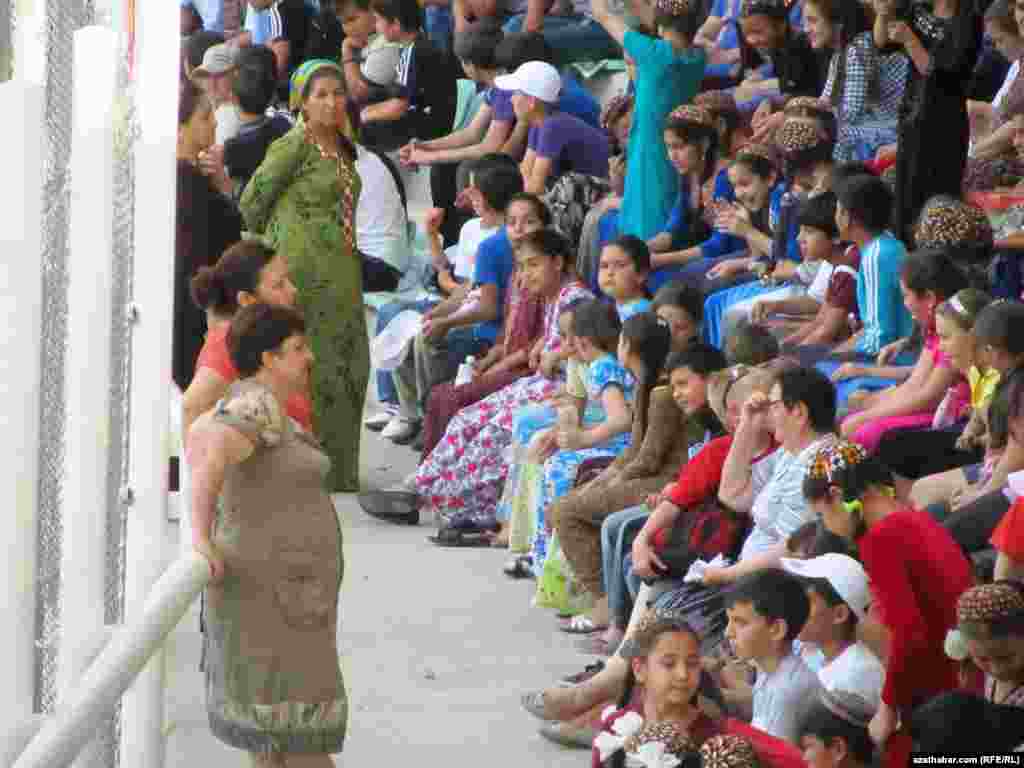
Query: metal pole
column 21, row 286
column 87, row 366
column 157, row 61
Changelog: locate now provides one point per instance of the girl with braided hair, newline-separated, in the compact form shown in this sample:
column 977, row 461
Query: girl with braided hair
column 668, row 71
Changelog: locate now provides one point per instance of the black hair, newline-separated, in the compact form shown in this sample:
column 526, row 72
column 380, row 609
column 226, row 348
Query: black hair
column 341, row 5
column 683, row 295
column 539, row 206
column 848, row 20
column 805, row 159
column 693, row 133
column 827, row 543
column 819, row 212
column 999, row 728
column 497, row 186
column 868, row 200
column 599, row 322
column 815, row 391
column 650, row 338
column 683, row 24
column 822, row 724
column 255, row 80
column 520, row 47
column 636, row 249
column 703, row 359
column 491, row 161
column 852, row 480
column 477, row 43
column 407, row 13
column 932, row 271
column 260, row 328
column 551, row 243
column 832, row 598
column 1001, row 325
column 198, row 43
column 751, row 344
column 237, row 270
column 842, row 171
column 757, row 164
column 774, row 594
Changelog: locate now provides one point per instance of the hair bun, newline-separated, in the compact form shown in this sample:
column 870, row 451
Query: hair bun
column 207, row 288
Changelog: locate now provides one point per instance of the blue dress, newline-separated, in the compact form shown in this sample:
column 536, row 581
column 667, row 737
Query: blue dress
column 664, row 80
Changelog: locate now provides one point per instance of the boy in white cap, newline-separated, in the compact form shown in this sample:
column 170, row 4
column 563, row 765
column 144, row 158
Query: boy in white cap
column 216, row 76
column 837, row 588
column 557, row 142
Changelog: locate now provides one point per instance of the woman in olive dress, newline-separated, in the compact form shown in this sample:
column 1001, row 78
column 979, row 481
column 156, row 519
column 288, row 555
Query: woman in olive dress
column 302, row 199
column 263, row 519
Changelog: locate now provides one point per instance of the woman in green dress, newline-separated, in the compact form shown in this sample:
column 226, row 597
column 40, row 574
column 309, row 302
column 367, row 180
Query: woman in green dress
column 302, row 199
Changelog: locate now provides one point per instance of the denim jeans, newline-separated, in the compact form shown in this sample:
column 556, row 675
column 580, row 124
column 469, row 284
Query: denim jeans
column 437, row 22
column 617, row 534
column 386, row 392
column 573, row 38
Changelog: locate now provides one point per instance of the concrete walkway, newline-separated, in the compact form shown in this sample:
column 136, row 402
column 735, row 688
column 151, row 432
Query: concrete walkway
column 437, row 646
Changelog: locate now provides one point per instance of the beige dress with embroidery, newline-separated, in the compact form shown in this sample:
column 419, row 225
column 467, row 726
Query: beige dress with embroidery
column 273, row 681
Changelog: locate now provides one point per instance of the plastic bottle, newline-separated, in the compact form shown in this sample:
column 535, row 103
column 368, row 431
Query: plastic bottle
column 465, row 372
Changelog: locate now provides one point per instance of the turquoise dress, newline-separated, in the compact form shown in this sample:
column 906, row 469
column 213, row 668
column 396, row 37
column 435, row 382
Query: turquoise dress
column 664, row 80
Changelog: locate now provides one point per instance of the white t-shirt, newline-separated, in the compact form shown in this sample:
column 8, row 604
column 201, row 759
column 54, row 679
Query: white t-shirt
column 229, row 121
column 819, row 287
column 462, row 255
column 856, row 670
column 381, row 229
column 783, row 698
column 1011, row 75
column 380, row 61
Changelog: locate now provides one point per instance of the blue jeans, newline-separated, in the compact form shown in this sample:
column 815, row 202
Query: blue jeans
column 437, row 22
column 573, row 38
column 692, row 272
column 617, row 534
column 386, row 392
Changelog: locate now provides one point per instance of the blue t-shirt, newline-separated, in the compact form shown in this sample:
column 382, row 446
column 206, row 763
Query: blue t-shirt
column 570, row 145
column 494, row 264
column 574, row 100
column 879, row 297
column 210, row 11
column 630, row 308
column 604, row 372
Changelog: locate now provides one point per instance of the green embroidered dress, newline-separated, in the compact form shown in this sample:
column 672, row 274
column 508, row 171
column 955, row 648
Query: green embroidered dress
column 303, row 202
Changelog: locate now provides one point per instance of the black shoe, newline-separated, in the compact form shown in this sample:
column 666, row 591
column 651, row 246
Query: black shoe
column 570, row 681
column 399, row 507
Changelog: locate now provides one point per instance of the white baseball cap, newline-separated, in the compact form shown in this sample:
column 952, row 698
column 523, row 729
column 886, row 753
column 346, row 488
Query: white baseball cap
column 218, row 60
column 847, row 577
column 534, row 78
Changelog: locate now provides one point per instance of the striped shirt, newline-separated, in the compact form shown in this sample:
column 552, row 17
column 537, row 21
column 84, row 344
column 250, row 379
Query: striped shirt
column 879, row 297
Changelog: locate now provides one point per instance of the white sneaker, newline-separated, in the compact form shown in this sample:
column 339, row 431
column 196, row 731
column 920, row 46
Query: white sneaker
column 378, row 421
column 409, row 484
column 401, row 430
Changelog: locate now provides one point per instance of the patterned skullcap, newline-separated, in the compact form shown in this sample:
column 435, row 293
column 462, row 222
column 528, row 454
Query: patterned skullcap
column 675, row 740
column 775, row 8
column 764, row 151
column 616, row 107
column 833, row 458
column 808, row 103
column 727, row 751
column 717, row 102
column 672, row 7
column 798, row 136
column 850, row 707
column 990, row 603
column 689, row 113
column 947, row 221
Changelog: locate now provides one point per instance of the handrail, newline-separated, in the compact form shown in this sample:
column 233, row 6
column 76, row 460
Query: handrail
column 110, row 675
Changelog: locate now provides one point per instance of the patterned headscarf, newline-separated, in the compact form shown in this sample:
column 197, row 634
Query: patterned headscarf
column 777, row 9
column 301, row 76
column 989, row 603
column 689, row 113
column 675, row 740
column 810, row 104
column 672, row 7
column 947, row 221
column 727, row 750
column 764, row 151
column 835, row 457
column 717, row 102
column 849, row 707
column 616, row 107
column 798, row 136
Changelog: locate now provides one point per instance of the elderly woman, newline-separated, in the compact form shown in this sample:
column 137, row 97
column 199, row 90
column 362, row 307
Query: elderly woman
column 303, row 200
column 273, row 684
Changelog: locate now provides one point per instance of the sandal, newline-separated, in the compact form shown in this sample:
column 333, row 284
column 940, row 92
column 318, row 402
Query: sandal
column 533, row 702
column 451, row 538
column 393, row 506
column 581, row 625
column 520, row 567
column 594, row 645
column 570, row 681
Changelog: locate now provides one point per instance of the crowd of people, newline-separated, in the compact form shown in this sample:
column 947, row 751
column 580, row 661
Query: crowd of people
column 729, row 365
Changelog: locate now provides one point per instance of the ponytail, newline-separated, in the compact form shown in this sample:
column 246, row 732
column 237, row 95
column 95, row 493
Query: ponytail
column 216, row 288
column 650, row 338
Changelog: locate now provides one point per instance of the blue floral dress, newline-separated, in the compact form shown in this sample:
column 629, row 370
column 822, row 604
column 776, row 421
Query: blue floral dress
column 560, row 470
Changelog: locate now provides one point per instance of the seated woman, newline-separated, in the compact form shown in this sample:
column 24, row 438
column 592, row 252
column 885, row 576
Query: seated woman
column 800, row 412
column 990, row 631
column 726, row 114
column 928, row 278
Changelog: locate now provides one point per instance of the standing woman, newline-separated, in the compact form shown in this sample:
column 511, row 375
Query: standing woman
column 273, row 684
column 303, row 199
column 943, row 43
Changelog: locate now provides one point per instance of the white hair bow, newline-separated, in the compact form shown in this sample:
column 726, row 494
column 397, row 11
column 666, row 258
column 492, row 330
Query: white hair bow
column 607, row 744
column 653, row 754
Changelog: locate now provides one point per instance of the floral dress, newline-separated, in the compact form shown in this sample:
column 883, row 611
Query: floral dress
column 560, row 470
column 466, row 471
column 303, row 200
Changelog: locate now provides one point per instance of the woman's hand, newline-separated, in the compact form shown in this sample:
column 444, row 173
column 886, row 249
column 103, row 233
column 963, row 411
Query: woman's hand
column 847, row 371
column 617, row 173
column 546, row 445
column 211, row 164
column 898, row 32
column 883, row 724
column 549, row 364
column 716, row 576
column 727, row 268
column 768, row 125
column 435, row 329
column 646, row 563
column 734, row 219
column 852, row 423
column 433, row 220
column 570, row 438
column 761, row 114
column 891, row 351
column 214, row 557
column 760, row 311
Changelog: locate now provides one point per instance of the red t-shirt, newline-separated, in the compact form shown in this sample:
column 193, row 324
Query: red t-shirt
column 700, row 730
column 772, row 752
column 917, row 573
column 842, row 286
column 1008, row 536
column 215, row 356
